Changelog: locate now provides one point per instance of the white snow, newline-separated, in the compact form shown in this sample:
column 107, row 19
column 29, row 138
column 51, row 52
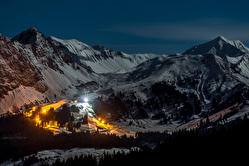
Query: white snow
column 240, row 114
column 144, row 125
column 50, row 156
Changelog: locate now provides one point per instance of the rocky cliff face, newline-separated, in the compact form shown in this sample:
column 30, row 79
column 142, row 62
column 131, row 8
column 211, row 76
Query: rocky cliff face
column 15, row 68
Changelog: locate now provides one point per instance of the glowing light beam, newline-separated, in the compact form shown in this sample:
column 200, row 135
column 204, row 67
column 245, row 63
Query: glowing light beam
column 86, row 100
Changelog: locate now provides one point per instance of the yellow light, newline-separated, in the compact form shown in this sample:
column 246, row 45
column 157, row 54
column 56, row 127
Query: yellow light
column 33, row 108
column 99, row 119
column 37, row 119
column 44, row 111
column 48, row 125
column 102, row 121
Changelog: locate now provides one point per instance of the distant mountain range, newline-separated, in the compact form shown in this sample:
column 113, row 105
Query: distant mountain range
column 98, row 58
column 34, row 68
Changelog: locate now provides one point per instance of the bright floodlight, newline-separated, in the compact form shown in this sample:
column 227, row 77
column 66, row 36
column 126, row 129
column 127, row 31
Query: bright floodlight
column 86, row 100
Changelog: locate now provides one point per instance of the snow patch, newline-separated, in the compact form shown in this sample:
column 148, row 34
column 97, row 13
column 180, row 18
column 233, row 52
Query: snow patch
column 18, row 97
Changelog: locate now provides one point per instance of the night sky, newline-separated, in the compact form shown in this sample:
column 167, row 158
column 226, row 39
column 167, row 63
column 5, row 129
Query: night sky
column 158, row 26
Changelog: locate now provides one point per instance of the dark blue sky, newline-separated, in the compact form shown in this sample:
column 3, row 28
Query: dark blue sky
column 158, row 26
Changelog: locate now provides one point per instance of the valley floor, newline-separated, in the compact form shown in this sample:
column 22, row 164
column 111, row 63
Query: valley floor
column 129, row 126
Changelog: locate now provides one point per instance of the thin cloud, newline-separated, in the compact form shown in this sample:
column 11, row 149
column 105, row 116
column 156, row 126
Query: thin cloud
column 148, row 48
column 184, row 31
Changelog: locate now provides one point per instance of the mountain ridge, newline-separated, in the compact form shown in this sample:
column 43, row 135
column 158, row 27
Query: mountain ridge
column 202, row 74
column 99, row 58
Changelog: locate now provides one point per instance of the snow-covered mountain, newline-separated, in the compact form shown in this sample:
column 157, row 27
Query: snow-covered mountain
column 98, row 58
column 35, row 68
column 221, row 47
column 233, row 52
column 203, row 77
column 32, row 69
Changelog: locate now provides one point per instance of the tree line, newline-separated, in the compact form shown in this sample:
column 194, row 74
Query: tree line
column 19, row 136
column 223, row 144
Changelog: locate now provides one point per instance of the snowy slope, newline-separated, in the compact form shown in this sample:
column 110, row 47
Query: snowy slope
column 99, row 58
column 50, row 156
column 202, row 75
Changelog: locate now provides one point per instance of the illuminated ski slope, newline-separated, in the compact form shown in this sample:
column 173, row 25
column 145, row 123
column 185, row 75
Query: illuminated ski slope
column 54, row 105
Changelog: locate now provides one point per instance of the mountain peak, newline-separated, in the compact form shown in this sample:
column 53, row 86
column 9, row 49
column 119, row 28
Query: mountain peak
column 28, row 36
column 32, row 30
column 219, row 46
column 221, row 38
